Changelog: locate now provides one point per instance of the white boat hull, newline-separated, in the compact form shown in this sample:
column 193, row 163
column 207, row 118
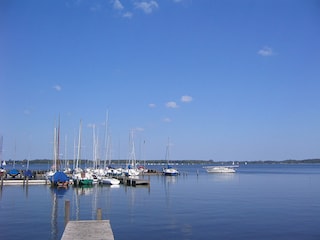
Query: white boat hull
column 220, row 169
column 170, row 172
column 110, row 181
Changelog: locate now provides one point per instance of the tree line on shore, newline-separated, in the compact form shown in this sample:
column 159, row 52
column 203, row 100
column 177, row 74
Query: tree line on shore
column 185, row 162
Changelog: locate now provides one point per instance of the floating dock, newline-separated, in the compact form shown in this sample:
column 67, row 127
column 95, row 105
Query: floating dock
column 91, row 229
column 24, row 182
column 133, row 181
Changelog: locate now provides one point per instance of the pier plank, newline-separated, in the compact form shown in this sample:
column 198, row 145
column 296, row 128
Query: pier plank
column 90, row 229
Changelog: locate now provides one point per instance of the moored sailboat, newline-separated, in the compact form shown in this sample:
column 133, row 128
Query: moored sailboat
column 80, row 177
column 2, row 163
column 169, row 170
column 131, row 169
column 57, row 177
column 13, row 172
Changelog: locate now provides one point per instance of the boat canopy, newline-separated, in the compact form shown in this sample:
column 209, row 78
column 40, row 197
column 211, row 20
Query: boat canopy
column 13, row 172
column 28, row 173
column 59, row 177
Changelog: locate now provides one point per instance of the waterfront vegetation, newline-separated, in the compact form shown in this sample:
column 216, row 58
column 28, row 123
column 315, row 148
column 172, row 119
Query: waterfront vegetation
column 173, row 162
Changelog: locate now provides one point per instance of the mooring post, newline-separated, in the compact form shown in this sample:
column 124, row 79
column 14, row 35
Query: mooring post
column 66, row 211
column 99, row 214
column 2, row 181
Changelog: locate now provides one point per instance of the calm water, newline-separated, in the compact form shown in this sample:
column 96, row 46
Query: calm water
column 258, row 202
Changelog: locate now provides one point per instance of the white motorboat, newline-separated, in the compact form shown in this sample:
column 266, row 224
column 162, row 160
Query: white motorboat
column 110, row 181
column 221, row 169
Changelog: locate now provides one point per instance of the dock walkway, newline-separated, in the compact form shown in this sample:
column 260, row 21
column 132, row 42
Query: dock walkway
column 91, row 229
column 24, row 182
column 133, row 181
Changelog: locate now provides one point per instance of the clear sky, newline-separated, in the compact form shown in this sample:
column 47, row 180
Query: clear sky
column 228, row 80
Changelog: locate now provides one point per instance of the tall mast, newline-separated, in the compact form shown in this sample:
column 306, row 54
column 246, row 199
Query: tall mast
column 79, row 145
column 94, row 157
column 168, row 151
column 132, row 154
column 106, row 139
column 66, row 161
column 1, row 143
column 58, row 145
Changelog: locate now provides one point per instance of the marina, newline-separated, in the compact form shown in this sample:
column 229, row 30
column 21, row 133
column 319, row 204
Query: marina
column 149, row 119
column 25, row 181
column 185, row 206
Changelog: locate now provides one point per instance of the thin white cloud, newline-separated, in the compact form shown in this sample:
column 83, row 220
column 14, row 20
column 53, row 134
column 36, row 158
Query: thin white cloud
column 146, row 7
column 171, row 105
column 57, row 88
column 186, row 98
column 95, row 8
column 266, row 52
column 167, row 120
column 117, row 5
column 152, row 105
column 127, row 15
column 138, row 129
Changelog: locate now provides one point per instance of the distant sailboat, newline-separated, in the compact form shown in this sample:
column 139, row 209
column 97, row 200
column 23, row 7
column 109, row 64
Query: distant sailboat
column 57, row 177
column 14, row 172
column 169, row 170
column 131, row 169
column 28, row 173
column 2, row 163
column 79, row 176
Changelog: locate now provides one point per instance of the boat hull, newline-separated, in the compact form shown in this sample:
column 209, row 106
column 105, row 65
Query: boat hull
column 85, row 181
column 170, row 172
column 220, row 170
column 110, row 181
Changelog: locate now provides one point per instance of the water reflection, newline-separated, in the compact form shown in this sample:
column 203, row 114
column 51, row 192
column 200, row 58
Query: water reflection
column 56, row 194
column 168, row 182
column 221, row 177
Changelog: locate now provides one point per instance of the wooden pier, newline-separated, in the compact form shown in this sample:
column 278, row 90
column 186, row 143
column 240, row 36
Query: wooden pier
column 86, row 229
column 91, row 229
column 133, row 181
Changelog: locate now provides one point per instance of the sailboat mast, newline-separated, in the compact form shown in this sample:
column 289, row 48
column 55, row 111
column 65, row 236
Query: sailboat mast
column 79, row 145
column 54, row 149
column 58, row 145
column 74, row 152
column 15, row 153
column 132, row 155
column 94, row 157
column 106, row 139
column 1, row 143
column 66, row 161
column 168, row 151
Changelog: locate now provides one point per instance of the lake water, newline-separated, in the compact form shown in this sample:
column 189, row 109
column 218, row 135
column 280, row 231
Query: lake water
column 276, row 201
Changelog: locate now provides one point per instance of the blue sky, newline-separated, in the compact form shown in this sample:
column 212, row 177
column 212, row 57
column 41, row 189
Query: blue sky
column 225, row 80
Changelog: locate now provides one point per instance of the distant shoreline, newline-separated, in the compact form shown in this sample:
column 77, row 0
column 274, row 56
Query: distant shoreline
column 173, row 162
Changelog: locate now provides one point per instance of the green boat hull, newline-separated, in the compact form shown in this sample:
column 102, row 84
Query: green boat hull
column 86, row 182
